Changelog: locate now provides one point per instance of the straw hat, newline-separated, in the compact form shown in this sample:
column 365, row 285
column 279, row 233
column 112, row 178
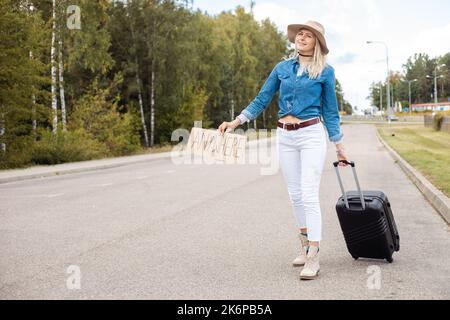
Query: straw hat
column 312, row 26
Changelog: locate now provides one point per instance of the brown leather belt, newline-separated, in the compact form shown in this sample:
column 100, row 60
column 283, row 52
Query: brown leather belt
column 296, row 126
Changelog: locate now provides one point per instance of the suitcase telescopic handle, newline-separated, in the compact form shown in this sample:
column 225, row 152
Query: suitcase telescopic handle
column 352, row 164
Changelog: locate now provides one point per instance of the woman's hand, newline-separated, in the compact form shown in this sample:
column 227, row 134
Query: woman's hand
column 225, row 125
column 341, row 156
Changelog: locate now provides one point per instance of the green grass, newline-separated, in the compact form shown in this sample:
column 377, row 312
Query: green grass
column 425, row 149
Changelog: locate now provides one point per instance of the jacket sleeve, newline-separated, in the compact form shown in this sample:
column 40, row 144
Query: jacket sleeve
column 330, row 111
column 264, row 96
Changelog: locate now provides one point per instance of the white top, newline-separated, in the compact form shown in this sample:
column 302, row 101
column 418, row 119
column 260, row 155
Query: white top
column 300, row 70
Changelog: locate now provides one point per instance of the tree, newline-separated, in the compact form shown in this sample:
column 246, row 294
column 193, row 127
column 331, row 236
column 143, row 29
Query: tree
column 418, row 67
column 53, row 73
column 22, row 77
column 97, row 113
column 121, row 28
column 444, row 94
column 153, row 60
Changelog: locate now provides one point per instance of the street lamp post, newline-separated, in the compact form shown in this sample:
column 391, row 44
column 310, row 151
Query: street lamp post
column 409, row 94
column 381, row 98
column 435, row 81
column 388, row 87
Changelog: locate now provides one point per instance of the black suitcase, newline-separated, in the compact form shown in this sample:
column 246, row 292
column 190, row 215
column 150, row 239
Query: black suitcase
column 366, row 221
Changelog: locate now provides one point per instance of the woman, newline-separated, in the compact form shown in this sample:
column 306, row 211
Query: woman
column 307, row 93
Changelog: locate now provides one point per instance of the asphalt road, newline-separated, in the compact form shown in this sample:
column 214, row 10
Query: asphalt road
column 160, row 230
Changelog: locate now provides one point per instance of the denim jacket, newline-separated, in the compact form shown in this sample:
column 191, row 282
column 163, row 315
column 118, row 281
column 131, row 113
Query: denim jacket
column 300, row 96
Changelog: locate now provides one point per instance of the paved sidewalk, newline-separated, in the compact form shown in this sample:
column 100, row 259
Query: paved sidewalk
column 157, row 230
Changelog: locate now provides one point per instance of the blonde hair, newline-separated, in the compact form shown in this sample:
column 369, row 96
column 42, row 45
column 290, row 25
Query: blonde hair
column 318, row 63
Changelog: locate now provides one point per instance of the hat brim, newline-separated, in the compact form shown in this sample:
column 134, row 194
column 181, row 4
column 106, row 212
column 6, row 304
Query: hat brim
column 293, row 29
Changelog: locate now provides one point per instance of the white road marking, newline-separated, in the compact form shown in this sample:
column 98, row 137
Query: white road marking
column 55, row 195
column 148, row 176
column 101, row 185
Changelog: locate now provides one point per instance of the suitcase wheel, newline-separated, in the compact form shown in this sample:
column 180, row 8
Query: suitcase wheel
column 355, row 257
column 390, row 260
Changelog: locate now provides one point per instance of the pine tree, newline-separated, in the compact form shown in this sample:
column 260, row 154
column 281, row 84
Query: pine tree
column 22, row 95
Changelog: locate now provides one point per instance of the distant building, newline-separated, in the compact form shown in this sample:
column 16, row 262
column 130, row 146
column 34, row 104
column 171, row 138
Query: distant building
column 373, row 110
column 442, row 106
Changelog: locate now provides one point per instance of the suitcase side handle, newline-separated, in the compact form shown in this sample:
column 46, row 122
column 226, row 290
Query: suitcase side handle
column 352, row 164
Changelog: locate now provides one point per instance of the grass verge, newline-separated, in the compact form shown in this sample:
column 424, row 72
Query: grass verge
column 426, row 150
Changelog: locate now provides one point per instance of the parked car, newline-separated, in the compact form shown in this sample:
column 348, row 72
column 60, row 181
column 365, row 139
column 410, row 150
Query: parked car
column 392, row 117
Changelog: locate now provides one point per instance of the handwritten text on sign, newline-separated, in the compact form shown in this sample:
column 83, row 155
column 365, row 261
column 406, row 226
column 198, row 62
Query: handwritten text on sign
column 209, row 143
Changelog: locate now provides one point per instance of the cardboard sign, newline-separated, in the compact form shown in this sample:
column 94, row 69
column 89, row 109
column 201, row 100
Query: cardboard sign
column 213, row 146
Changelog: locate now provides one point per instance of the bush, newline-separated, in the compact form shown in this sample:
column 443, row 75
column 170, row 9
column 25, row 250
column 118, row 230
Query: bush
column 66, row 147
column 101, row 120
column 437, row 121
column 17, row 152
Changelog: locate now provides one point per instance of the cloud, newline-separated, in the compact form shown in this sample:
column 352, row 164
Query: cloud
column 346, row 58
column 433, row 41
column 281, row 15
column 350, row 23
column 347, row 17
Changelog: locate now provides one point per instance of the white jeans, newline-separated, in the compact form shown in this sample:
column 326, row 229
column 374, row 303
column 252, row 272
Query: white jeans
column 302, row 155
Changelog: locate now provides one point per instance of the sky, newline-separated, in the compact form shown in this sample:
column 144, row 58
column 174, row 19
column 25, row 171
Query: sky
column 406, row 27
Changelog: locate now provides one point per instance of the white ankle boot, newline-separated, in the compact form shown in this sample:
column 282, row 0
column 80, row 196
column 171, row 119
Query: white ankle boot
column 311, row 269
column 301, row 259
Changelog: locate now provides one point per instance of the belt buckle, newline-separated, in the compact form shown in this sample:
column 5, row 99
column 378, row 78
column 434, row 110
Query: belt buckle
column 284, row 125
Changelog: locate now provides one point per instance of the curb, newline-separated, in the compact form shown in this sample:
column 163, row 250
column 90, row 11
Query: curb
column 59, row 169
column 85, row 166
column 439, row 201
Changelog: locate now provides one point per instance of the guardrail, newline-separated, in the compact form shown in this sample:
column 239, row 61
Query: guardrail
column 417, row 119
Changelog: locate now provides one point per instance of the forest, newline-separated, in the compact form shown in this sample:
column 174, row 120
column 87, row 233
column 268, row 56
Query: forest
column 84, row 80
column 418, row 75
